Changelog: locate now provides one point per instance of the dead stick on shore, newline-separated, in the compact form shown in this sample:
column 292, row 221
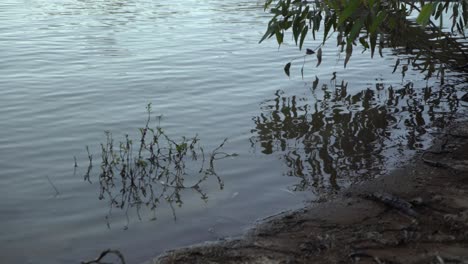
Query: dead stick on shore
column 394, row 202
column 103, row 254
column 433, row 163
column 437, row 164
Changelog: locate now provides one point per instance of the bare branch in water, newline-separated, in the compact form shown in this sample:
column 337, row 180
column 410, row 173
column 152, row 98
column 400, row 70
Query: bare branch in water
column 103, row 254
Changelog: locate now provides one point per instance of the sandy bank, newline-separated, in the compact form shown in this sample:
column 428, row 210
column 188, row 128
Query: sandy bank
column 418, row 214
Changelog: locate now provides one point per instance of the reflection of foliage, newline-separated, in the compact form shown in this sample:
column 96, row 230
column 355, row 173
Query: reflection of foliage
column 156, row 171
column 343, row 138
column 377, row 24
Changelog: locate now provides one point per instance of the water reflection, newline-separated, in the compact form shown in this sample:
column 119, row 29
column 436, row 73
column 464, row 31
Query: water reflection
column 335, row 138
column 153, row 171
column 428, row 50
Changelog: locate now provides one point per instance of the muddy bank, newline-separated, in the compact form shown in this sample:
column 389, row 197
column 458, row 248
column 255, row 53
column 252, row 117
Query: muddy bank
column 418, row 214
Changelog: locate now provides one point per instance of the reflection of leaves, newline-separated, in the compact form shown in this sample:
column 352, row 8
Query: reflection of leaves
column 315, row 83
column 403, row 70
column 303, row 35
column 349, row 52
column 396, row 65
column 341, row 138
column 286, row 68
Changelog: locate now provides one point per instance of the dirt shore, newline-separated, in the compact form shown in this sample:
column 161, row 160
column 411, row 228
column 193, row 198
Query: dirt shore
column 418, row 214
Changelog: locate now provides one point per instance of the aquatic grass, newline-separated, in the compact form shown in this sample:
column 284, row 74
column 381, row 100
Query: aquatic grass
column 154, row 170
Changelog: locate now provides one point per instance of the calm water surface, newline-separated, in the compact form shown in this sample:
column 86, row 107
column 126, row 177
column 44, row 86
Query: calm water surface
column 73, row 69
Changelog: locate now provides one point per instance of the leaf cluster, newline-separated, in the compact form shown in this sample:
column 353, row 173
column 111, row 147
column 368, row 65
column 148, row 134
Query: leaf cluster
column 365, row 23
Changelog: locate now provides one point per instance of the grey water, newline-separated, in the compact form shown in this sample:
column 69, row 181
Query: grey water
column 72, row 69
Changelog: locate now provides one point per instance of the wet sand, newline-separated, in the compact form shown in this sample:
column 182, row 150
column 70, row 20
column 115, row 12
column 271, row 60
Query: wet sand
column 417, row 214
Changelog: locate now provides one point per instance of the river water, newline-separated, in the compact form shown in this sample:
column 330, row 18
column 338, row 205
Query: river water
column 72, row 69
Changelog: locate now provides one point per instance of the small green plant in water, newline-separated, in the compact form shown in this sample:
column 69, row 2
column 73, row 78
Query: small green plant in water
column 156, row 169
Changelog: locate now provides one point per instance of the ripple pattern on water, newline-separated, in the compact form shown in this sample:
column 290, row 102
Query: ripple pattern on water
column 73, row 69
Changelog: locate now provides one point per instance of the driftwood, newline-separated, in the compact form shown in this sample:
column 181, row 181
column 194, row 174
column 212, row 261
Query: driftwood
column 394, row 202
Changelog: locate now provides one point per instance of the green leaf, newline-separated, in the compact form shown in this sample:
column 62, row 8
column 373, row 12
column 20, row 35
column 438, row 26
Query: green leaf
column 279, row 36
column 355, row 30
column 364, row 42
column 425, row 14
column 298, row 27
column 305, row 13
column 270, row 31
column 440, row 9
column 349, row 52
column 373, row 42
column 381, row 45
column 339, row 38
column 351, row 7
column 286, row 68
column 181, row 147
column 378, row 20
column 303, row 35
column 267, row 4
column 285, row 7
column 328, row 25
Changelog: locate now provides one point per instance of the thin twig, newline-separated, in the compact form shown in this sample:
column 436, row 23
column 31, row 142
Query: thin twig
column 103, row 254
column 53, row 185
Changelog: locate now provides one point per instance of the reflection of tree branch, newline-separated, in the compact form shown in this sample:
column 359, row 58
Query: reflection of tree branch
column 53, row 186
column 432, row 48
column 434, row 27
column 342, row 138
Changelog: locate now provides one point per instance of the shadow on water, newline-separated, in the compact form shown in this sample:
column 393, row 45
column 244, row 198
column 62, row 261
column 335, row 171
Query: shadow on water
column 155, row 170
column 334, row 138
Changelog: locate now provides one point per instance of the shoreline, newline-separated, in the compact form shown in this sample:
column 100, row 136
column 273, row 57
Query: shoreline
column 416, row 214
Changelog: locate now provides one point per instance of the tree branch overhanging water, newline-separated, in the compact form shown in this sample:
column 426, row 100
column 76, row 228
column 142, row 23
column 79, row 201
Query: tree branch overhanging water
column 377, row 24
